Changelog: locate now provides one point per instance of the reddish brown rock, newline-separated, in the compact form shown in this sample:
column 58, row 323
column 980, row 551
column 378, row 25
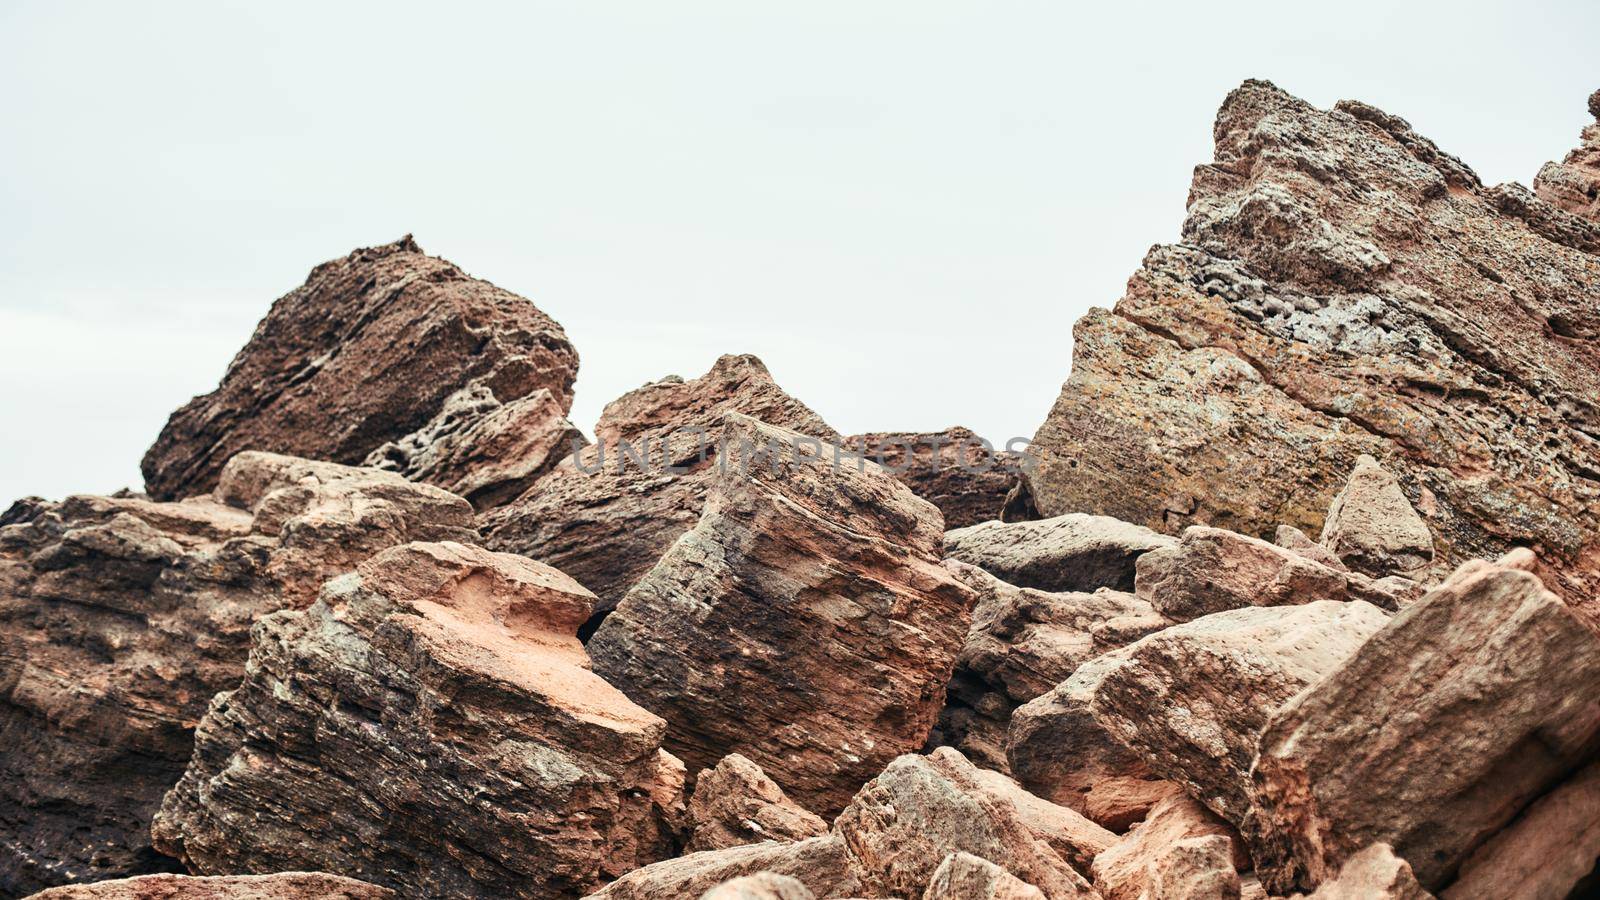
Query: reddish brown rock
column 761, row 886
column 1023, row 643
column 367, row 351
column 1574, row 183
column 1071, row 835
column 1197, row 868
column 805, row 623
column 1125, row 871
column 120, row 617
column 282, row 886
column 1375, row 874
column 429, row 724
column 954, row 469
column 1344, row 288
column 1431, row 737
column 607, row 515
column 963, row 876
column 822, row 864
column 1073, row 552
column 1373, row 528
column 734, row 803
column 1545, row 854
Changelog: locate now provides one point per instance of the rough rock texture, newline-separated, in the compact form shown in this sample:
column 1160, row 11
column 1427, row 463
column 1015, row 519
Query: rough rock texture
column 822, row 864
column 963, row 876
column 1373, row 528
column 1056, row 749
column 1071, row 835
column 281, row 886
column 482, row 449
column 608, row 514
column 1199, row 868
column 1073, row 552
column 1574, row 183
column 1344, row 287
column 952, row 469
column 121, row 617
column 761, row 886
column 1125, row 870
column 806, row 622
column 734, row 803
column 1545, row 853
column 1022, row 644
column 367, row 351
column 1377, row 874
column 1468, row 705
column 1212, row 570
column 1291, row 538
column 1193, row 699
column 430, row 725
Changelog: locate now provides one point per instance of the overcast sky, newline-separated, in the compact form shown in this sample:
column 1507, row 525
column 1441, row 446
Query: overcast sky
column 901, row 207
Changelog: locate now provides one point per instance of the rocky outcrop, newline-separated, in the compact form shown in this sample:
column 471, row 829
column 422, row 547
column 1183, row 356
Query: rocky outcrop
column 1374, row 874
column 1023, row 643
column 431, row 725
column 369, row 350
column 120, row 617
column 955, row 470
column 1127, row 869
column 805, row 623
column 1574, row 183
column 1545, row 854
column 607, row 514
column 761, row 886
column 1343, row 288
column 1073, row 552
column 1373, row 528
column 963, row 876
column 735, row 803
column 283, row 886
column 1429, row 738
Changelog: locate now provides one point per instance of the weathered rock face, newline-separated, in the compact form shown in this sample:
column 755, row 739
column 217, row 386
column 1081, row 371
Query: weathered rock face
column 1574, row 183
column 607, row 515
column 367, row 351
column 963, row 876
column 121, row 617
column 1468, row 705
column 283, row 886
column 1194, row 869
column 1374, row 874
column 1344, row 288
column 1073, row 552
column 1373, row 528
column 1124, row 871
column 822, row 864
column 761, row 886
column 1022, row 644
column 806, row 622
column 1071, row 835
column 735, row 803
column 1546, row 853
column 429, row 725
column 952, row 469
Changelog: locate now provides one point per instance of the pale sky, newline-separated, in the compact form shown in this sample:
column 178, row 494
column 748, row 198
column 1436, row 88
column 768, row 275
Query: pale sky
column 901, row 207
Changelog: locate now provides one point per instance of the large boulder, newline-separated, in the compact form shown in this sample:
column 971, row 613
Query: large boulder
column 954, row 469
column 370, row 349
column 1072, row 552
column 431, row 725
column 1344, row 288
column 735, row 803
column 1161, row 847
column 281, row 886
column 1574, row 183
column 1545, row 854
column 120, row 617
column 805, row 622
column 1432, row 736
column 606, row 514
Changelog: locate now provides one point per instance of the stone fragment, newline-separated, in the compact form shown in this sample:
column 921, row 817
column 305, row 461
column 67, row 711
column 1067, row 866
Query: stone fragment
column 370, row 349
column 805, row 623
column 1373, row 528
column 606, row 515
column 1199, row 868
column 1072, row 552
column 120, row 617
column 1291, row 538
column 282, row 886
column 1545, row 854
column 1126, row 870
column 761, row 886
column 822, row 864
column 953, row 469
column 1574, row 183
column 1073, row 836
column 734, row 803
column 963, row 876
column 1434, row 734
column 1375, row 874
column 430, row 724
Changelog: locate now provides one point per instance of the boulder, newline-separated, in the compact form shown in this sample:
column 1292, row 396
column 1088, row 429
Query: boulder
column 1129, row 868
column 963, row 876
column 1373, row 528
column 1197, row 868
column 372, row 348
column 761, row 886
column 1072, row 552
column 431, row 725
column 606, row 514
column 1071, row 835
column 1375, row 874
column 1343, row 287
column 734, row 803
column 1545, row 854
column 1291, row 538
column 1193, row 699
column 1022, row 643
column 954, row 469
column 805, row 623
column 120, row 617
column 282, row 886
column 1434, row 734
column 821, row 864
column 1574, row 183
